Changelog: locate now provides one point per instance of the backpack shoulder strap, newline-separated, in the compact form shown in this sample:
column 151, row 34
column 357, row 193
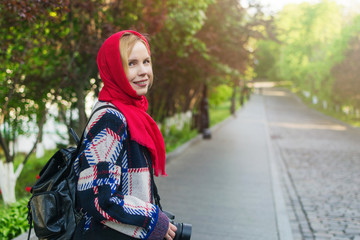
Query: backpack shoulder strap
column 73, row 133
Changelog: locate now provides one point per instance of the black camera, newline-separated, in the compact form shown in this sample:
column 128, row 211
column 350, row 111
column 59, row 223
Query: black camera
column 183, row 231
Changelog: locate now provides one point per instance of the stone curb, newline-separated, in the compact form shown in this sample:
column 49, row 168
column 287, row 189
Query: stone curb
column 282, row 219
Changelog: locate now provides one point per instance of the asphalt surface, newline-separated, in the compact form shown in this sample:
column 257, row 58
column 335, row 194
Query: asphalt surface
column 278, row 170
column 224, row 186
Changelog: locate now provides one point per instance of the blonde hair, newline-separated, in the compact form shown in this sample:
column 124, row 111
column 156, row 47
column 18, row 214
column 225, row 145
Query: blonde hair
column 126, row 45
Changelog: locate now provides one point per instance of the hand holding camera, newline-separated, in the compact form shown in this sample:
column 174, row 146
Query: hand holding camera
column 183, row 230
column 171, row 233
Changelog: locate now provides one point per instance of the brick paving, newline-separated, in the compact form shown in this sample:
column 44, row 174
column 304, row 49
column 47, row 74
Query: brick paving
column 319, row 159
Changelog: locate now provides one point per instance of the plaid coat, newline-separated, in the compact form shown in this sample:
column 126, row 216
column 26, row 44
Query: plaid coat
column 114, row 188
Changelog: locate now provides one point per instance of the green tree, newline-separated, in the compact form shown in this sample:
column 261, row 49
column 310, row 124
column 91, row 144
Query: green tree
column 266, row 57
column 179, row 58
column 306, row 32
column 317, row 49
column 346, row 87
column 25, row 65
column 49, row 51
column 229, row 34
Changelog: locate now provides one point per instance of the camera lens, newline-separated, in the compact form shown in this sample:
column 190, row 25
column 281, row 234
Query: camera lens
column 183, row 231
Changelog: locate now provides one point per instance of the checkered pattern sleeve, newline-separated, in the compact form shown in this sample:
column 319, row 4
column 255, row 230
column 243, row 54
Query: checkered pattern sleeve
column 102, row 177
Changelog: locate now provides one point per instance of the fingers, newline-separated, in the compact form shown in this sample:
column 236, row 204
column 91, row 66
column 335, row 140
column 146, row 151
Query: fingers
column 170, row 235
column 172, row 227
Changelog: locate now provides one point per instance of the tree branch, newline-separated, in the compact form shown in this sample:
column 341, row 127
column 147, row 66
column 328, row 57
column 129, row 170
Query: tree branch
column 41, row 124
column 5, row 148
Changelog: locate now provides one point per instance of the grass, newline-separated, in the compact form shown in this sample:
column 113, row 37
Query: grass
column 219, row 113
column 349, row 119
column 339, row 115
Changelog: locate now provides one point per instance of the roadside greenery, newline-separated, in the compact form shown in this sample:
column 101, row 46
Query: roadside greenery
column 13, row 219
column 349, row 118
column 317, row 49
column 49, row 53
column 217, row 112
column 176, row 137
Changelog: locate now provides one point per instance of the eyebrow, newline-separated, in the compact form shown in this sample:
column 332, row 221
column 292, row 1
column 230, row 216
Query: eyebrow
column 136, row 59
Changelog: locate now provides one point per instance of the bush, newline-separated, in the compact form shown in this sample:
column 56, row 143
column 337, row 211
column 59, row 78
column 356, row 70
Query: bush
column 220, row 94
column 28, row 175
column 177, row 137
column 13, row 219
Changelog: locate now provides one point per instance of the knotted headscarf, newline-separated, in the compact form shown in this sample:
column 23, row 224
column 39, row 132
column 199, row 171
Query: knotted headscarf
column 117, row 90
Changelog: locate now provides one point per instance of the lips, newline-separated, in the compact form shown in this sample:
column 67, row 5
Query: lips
column 141, row 83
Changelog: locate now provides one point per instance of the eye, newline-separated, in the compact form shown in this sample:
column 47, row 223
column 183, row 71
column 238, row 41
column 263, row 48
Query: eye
column 147, row 61
column 132, row 63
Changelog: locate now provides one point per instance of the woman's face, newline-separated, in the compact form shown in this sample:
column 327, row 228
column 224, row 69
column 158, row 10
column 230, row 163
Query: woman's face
column 140, row 69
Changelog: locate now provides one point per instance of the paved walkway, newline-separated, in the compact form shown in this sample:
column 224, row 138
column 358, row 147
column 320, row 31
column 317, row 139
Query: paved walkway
column 227, row 187
column 279, row 170
column 276, row 171
column 320, row 166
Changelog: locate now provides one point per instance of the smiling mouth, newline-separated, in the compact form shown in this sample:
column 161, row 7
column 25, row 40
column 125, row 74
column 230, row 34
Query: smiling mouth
column 141, row 83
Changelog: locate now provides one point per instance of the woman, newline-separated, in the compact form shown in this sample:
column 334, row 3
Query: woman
column 122, row 149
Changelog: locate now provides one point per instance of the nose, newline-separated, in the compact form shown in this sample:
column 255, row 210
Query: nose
column 142, row 69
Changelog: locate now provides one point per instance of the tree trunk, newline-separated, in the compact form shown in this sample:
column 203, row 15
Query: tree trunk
column 8, row 176
column 8, row 181
column 5, row 147
column 242, row 88
column 81, row 106
column 38, row 137
column 241, row 97
column 233, row 100
column 204, row 117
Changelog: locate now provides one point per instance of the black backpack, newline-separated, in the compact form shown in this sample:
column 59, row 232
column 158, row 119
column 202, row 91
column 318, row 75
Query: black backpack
column 52, row 208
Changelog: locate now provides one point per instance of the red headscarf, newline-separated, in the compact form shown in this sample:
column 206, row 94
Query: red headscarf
column 118, row 91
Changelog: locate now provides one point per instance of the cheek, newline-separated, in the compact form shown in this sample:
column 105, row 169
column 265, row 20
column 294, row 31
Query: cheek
column 150, row 71
column 151, row 76
column 131, row 74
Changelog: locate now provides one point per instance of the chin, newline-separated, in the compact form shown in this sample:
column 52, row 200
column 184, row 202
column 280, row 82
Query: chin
column 141, row 92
